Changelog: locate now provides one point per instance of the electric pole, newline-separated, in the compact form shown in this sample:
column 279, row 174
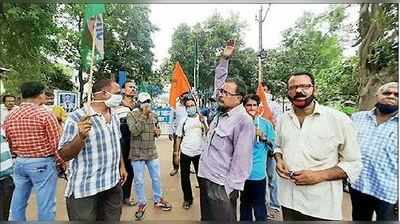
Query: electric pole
column 261, row 54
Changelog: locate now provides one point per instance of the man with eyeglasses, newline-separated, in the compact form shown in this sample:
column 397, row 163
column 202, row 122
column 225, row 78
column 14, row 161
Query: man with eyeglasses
column 376, row 190
column 225, row 162
column 316, row 148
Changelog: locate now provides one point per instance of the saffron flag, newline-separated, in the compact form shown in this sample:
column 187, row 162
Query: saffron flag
column 179, row 84
column 92, row 28
column 264, row 108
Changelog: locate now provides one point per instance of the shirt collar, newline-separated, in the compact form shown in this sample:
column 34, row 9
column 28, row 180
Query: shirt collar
column 236, row 110
column 372, row 115
column 317, row 110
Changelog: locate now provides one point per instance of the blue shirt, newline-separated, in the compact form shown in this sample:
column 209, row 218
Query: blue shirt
column 96, row 167
column 260, row 150
column 379, row 154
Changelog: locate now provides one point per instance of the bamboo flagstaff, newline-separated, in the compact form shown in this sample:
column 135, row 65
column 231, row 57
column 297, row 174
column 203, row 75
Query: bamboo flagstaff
column 90, row 81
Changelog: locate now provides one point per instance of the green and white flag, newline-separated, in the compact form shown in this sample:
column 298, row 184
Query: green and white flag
column 92, row 26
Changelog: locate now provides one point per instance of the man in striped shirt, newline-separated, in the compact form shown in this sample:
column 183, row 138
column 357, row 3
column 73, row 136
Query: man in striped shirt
column 90, row 143
column 33, row 134
column 6, row 181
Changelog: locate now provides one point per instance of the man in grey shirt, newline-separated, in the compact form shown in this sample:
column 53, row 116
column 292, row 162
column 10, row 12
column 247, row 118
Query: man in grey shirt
column 225, row 162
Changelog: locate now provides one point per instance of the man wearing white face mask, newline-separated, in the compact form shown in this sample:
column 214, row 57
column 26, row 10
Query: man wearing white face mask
column 144, row 128
column 96, row 170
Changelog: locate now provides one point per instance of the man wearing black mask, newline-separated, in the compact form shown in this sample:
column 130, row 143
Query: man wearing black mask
column 316, row 147
column 376, row 188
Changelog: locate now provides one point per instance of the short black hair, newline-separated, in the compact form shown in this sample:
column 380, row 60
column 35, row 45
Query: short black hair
column 100, row 84
column 8, row 95
column 240, row 86
column 32, row 89
column 266, row 84
column 188, row 97
column 251, row 97
column 128, row 81
column 301, row 73
column 49, row 92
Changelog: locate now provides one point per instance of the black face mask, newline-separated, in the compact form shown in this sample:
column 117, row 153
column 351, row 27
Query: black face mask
column 303, row 104
column 385, row 108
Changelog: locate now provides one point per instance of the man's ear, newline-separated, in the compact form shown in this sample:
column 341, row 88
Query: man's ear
column 316, row 91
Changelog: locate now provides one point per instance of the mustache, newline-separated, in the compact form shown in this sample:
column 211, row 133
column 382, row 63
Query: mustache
column 299, row 95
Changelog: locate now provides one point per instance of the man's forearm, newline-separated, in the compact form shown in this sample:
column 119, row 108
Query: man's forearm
column 72, row 149
column 334, row 173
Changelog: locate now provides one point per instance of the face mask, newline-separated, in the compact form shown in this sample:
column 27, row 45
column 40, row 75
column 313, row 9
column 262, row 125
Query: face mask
column 191, row 111
column 301, row 104
column 113, row 101
column 386, row 109
column 143, row 105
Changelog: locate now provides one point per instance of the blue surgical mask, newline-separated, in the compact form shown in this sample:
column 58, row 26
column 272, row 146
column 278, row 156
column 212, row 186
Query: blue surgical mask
column 191, row 111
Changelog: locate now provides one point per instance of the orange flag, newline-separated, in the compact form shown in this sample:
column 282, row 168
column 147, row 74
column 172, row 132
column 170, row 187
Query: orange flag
column 179, row 84
column 264, row 108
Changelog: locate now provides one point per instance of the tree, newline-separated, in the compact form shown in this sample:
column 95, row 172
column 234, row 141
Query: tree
column 28, row 41
column 313, row 45
column 211, row 36
column 378, row 49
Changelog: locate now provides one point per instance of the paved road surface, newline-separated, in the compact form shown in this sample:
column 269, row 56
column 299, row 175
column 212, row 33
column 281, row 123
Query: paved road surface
column 172, row 192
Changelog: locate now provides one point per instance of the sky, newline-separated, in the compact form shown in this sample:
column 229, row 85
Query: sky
column 280, row 17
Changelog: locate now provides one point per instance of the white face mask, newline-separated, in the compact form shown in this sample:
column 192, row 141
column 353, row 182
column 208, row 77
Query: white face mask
column 143, row 105
column 114, row 101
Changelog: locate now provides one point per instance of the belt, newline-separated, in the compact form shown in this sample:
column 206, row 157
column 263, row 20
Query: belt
column 48, row 156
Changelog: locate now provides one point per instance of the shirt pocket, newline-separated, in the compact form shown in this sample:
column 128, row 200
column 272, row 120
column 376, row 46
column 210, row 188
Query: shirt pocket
column 321, row 147
column 219, row 138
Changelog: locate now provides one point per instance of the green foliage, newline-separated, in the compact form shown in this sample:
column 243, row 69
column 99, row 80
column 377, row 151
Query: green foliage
column 313, row 45
column 211, row 36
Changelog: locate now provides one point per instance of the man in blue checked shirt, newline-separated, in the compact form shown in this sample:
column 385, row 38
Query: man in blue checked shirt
column 91, row 144
column 376, row 189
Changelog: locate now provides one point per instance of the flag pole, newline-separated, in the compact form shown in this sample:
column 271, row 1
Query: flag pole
column 90, row 81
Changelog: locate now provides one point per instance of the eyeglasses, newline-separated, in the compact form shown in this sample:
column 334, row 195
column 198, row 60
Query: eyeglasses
column 302, row 87
column 146, row 101
column 251, row 105
column 388, row 93
column 226, row 93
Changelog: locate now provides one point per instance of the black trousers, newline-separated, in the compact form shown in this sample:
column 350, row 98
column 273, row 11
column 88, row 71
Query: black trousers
column 215, row 204
column 104, row 206
column 6, row 191
column 127, row 187
column 364, row 206
column 174, row 154
column 293, row 215
column 185, row 175
column 252, row 198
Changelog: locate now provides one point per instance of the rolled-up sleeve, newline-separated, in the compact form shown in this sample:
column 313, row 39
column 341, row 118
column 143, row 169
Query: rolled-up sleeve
column 243, row 142
column 349, row 152
column 135, row 126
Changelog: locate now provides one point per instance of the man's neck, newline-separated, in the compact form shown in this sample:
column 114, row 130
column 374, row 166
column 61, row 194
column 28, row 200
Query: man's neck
column 303, row 112
column 228, row 109
column 381, row 117
column 100, row 107
column 33, row 101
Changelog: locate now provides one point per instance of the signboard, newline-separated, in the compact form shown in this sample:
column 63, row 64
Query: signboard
column 67, row 99
column 163, row 114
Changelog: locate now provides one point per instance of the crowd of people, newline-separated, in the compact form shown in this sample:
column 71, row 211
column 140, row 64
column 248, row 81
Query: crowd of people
column 293, row 164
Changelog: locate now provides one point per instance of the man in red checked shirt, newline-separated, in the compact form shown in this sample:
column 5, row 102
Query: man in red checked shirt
column 33, row 134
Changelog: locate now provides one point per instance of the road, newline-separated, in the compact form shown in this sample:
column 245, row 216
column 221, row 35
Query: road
column 172, row 193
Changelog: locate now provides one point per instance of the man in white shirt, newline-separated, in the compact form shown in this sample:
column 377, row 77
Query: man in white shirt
column 316, row 149
column 9, row 105
column 190, row 134
column 175, row 117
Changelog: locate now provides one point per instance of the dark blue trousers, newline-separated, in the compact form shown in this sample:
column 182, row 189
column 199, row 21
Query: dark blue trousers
column 252, row 198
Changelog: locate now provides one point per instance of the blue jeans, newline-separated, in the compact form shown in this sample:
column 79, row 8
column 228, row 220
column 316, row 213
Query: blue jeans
column 154, row 170
column 41, row 175
column 271, row 195
column 252, row 199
